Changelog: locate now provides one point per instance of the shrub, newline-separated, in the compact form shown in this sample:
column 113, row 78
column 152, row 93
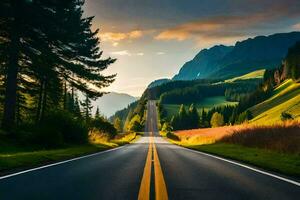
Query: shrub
column 103, row 126
column 172, row 136
column 60, row 127
column 286, row 116
column 217, row 120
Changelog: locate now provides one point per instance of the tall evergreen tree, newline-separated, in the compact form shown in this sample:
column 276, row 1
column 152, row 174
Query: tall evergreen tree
column 194, row 118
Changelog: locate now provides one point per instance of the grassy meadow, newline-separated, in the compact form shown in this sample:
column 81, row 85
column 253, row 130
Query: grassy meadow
column 285, row 98
column 258, row 74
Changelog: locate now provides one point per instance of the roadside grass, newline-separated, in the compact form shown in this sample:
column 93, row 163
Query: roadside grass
column 207, row 103
column 288, row 164
column 286, row 98
column 123, row 139
column 16, row 157
column 27, row 159
column 273, row 148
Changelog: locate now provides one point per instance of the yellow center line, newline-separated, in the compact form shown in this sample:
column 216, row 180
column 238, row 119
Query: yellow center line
column 159, row 181
column 160, row 185
column 144, row 192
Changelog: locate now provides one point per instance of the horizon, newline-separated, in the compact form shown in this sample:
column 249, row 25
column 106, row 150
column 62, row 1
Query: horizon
column 152, row 40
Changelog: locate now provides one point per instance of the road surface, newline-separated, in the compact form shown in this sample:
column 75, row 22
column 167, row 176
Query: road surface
column 151, row 168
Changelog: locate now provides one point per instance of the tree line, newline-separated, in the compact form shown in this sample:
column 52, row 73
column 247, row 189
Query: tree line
column 49, row 53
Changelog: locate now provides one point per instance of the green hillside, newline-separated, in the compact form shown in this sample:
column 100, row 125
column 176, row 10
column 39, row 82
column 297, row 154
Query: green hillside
column 286, row 98
column 258, row 74
column 206, row 103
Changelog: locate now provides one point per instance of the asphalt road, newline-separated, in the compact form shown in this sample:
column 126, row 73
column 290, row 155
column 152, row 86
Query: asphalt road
column 150, row 168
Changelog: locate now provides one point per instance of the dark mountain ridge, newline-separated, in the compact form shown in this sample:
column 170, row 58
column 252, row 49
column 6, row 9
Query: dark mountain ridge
column 261, row 52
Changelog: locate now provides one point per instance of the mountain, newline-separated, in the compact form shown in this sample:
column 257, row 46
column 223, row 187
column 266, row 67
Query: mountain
column 112, row 102
column 261, row 52
column 158, row 82
column 204, row 63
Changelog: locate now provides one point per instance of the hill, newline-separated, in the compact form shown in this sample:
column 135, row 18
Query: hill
column 261, row 52
column 158, row 82
column 258, row 74
column 285, row 98
column 112, row 102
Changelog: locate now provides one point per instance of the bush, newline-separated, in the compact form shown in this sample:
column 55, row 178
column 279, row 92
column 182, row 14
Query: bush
column 59, row 127
column 172, row 136
column 103, row 126
column 286, row 116
column 217, row 120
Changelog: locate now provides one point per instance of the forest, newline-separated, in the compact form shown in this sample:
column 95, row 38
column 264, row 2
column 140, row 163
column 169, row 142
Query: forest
column 51, row 69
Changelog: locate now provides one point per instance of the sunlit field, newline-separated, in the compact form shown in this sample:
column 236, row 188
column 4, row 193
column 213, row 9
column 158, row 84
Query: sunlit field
column 286, row 98
column 283, row 137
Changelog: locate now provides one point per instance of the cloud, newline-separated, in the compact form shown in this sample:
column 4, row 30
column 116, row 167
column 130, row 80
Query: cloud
column 126, row 53
column 160, row 53
column 296, row 26
column 116, row 37
column 115, row 44
column 230, row 28
column 135, row 34
column 121, row 53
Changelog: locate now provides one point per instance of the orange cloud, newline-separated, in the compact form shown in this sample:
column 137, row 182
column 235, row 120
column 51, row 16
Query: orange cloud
column 116, row 37
column 296, row 26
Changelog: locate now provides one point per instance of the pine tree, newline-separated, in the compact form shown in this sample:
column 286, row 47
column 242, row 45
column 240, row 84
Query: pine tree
column 86, row 108
column 194, row 118
column 97, row 114
column 118, row 125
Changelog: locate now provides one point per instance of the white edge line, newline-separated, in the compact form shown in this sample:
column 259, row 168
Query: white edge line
column 59, row 163
column 247, row 167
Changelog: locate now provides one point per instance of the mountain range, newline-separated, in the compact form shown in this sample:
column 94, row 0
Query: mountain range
column 112, row 102
column 261, row 52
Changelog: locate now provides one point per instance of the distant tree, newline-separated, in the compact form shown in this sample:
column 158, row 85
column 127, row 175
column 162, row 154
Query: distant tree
column 167, row 127
column 204, row 121
column 118, row 125
column 244, row 117
column 194, row 118
column 217, row 120
column 293, row 61
column 135, row 124
column 86, row 108
column 97, row 113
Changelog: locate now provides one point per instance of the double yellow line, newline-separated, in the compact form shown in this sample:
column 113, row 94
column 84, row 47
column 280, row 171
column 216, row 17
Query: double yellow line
column 159, row 182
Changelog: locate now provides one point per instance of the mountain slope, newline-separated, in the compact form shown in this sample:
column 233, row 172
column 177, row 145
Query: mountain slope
column 204, row 63
column 112, row 102
column 261, row 52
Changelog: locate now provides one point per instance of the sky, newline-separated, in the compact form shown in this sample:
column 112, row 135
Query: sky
column 152, row 39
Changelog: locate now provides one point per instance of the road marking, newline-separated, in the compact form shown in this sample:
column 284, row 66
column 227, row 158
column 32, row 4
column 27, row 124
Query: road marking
column 159, row 182
column 59, row 163
column 160, row 185
column 144, row 192
column 247, row 167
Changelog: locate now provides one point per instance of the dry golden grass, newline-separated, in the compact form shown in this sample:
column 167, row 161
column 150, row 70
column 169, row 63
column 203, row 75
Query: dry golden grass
column 205, row 135
column 283, row 138
column 120, row 139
